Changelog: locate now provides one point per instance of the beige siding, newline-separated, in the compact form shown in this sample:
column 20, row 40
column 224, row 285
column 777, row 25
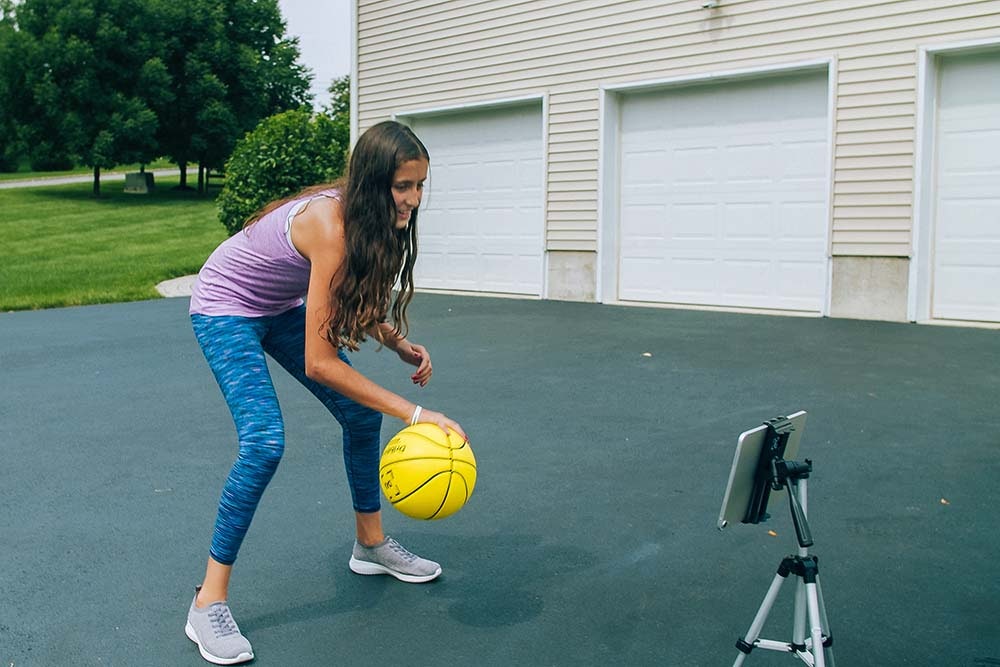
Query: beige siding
column 423, row 54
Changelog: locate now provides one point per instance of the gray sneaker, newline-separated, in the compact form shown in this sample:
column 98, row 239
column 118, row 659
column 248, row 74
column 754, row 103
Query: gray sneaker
column 216, row 634
column 390, row 557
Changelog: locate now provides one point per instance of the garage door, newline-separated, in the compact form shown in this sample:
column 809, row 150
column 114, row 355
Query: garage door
column 966, row 273
column 481, row 223
column 723, row 194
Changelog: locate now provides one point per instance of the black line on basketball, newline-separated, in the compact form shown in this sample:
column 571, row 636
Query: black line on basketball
column 422, row 485
column 446, row 445
column 419, row 458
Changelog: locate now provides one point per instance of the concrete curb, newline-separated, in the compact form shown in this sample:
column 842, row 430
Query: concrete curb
column 176, row 286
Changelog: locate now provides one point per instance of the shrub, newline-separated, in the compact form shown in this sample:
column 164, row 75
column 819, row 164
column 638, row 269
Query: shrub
column 10, row 158
column 284, row 154
column 46, row 156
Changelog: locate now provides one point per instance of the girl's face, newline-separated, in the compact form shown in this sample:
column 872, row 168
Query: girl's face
column 407, row 189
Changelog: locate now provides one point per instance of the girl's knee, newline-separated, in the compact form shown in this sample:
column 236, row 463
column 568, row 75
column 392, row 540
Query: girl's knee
column 262, row 449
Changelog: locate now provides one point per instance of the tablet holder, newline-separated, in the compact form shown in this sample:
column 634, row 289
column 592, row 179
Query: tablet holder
column 775, row 473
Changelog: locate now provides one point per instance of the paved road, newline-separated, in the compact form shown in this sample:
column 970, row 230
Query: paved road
column 106, row 177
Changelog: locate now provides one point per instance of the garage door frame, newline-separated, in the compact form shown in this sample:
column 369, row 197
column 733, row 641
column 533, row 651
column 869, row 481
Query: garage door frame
column 921, row 279
column 609, row 169
column 409, row 115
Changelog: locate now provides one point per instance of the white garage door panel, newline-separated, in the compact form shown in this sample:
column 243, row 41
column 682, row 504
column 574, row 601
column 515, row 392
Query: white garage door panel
column 724, row 194
column 481, row 221
column 966, row 271
column 967, row 278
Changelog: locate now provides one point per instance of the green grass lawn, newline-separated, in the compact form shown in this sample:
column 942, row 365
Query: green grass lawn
column 61, row 247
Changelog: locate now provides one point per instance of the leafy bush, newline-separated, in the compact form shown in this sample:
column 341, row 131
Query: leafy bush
column 285, row 153
column 45, row 156
column 10, row 158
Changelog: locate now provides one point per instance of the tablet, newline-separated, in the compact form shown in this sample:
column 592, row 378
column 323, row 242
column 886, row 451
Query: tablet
column 742, row 476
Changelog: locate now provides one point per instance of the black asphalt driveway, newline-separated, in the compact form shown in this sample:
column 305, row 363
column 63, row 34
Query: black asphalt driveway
column 604, row 437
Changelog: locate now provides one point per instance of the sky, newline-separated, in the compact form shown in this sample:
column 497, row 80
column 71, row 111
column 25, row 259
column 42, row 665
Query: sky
column 324, row 31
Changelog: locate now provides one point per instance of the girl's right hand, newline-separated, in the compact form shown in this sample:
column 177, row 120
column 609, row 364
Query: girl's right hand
column 443, row 422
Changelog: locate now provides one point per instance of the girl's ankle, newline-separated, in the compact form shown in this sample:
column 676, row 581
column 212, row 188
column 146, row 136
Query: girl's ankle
column 205, row 598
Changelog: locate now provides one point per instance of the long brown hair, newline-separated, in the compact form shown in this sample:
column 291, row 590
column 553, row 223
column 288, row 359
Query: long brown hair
column 377, row 252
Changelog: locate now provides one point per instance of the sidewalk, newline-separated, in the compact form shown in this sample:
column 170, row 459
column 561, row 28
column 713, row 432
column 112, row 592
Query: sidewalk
column 106, row 177
column 176, row 287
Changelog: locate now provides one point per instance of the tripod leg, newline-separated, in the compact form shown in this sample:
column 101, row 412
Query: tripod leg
column 816, row 628
column 745, row 644
column 799, row 619
column 826, row 625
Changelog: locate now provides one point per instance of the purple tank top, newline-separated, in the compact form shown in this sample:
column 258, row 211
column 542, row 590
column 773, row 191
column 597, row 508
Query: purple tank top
column 257, row 271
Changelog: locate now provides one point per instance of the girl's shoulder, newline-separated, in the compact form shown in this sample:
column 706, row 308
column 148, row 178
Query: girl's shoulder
column 327, row 202
column 329, row 193
column 318, row 225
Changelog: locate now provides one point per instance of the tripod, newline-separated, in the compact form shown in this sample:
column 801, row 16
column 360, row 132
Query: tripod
column 816, row 649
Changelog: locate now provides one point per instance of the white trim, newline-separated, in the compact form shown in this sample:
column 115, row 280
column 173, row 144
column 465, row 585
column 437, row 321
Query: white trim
column 985, row 44
column 712, row 77
column 918, row 303
column 601, row 196
column 608, row 185
column 483, row 105
column 545, row 196
column 608, row 182
column 354, row 73
column 832, row 79
column 921, row 278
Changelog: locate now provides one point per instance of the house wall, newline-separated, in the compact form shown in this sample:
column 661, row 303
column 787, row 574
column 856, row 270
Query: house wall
column 415, row 54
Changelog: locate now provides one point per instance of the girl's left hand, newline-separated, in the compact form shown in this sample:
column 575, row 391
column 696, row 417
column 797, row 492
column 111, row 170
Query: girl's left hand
column 416, row 355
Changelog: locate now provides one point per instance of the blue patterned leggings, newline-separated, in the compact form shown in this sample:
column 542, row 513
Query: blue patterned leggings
column 235, row 347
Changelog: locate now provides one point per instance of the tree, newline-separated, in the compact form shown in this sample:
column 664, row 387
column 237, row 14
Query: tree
column 286, row 153
column 11, row 78
column 339, row 109
column 91, row 71
column 340, row 98
column 230, row 65
column 112, row 82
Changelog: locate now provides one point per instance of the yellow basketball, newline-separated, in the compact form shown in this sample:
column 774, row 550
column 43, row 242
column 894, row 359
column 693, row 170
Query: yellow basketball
column 425, row 474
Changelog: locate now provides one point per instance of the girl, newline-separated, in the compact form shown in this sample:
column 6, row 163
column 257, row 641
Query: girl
column 343, row 246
